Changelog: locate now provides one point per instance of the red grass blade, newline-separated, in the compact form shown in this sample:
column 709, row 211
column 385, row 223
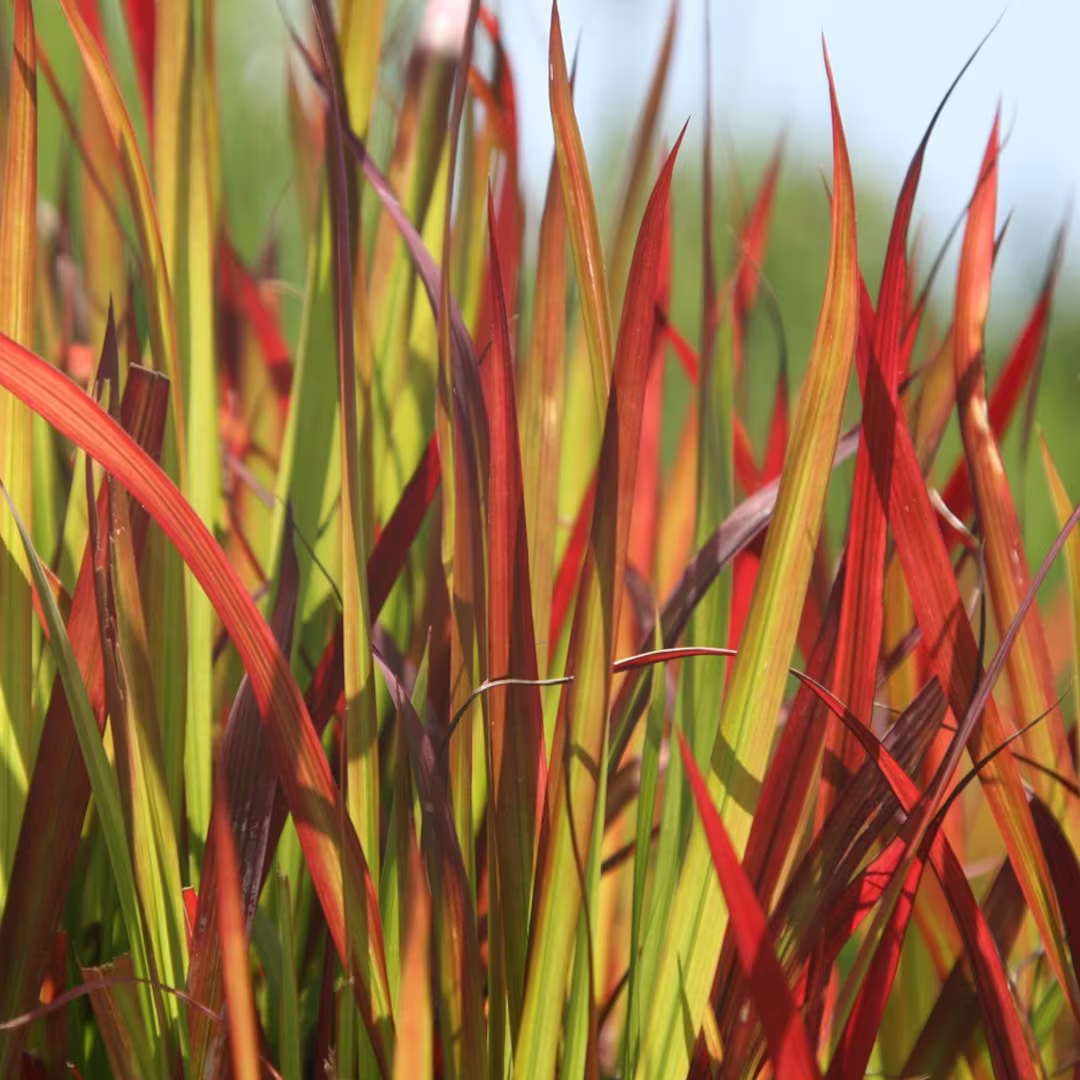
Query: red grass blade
column 240, row 292
column 1009, row 1044
column 647, row 490
column 953, row 656
column 789, row 1047
column 1031, row 676
column 141, row 17
column 955, row 1014
column 862, row 613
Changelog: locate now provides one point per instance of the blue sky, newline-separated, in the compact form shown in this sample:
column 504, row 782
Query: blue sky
column 892, row 63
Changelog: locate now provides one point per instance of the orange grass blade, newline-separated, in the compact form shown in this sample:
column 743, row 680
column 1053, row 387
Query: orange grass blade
column 581, row 219
column 414, row 1058
column 335, row 862
column 1019, row 370
column 18, row 253
column 1031, row 676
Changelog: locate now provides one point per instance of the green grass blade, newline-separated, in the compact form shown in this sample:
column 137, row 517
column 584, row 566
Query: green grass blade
column 18, row 245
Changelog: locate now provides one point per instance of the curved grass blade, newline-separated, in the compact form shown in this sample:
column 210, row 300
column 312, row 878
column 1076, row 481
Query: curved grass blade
column 862, row 613
column 692, row 935
column 335, row 863
column 60, row 787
